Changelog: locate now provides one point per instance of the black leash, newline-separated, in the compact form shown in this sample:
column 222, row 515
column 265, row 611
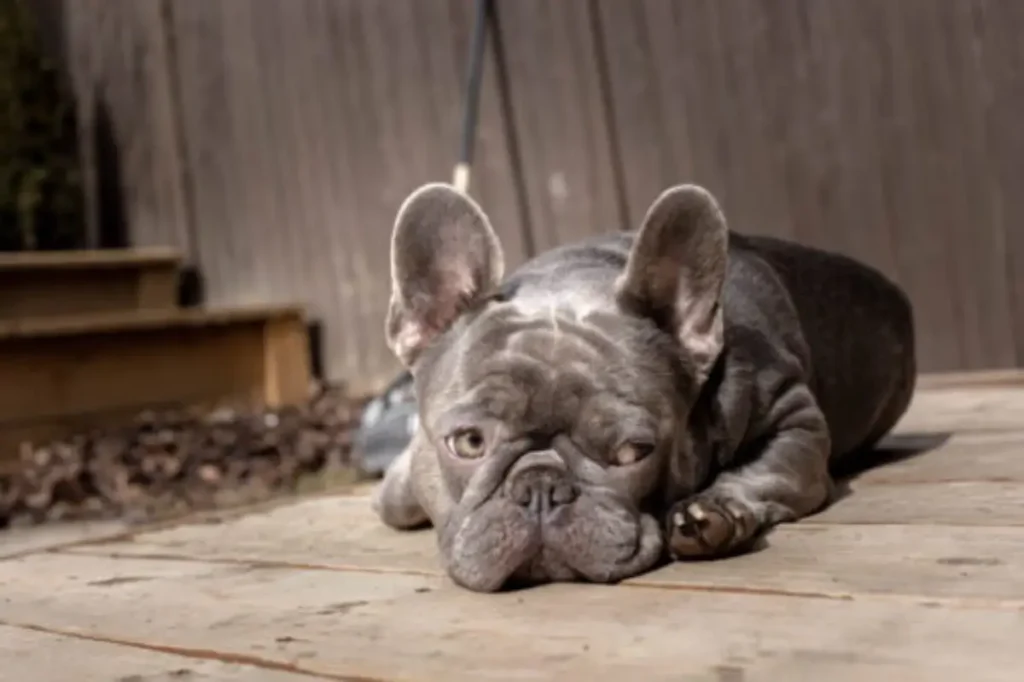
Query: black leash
column 471, row 105
column 387, row 422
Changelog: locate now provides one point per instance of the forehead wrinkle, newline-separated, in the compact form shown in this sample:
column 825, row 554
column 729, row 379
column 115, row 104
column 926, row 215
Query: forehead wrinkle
column 498, row 327
column 558, row 328
column 502, row 389
column 590, row 341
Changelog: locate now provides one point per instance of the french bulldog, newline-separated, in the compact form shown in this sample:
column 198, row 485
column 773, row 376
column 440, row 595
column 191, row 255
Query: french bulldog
column 666, row 394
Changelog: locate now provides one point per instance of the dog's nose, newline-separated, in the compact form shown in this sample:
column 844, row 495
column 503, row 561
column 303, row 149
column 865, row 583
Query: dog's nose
column 542, row 488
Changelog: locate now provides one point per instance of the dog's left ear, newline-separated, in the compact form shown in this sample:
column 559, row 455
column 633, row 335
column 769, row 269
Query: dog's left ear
column 444, row 256
column 676, row 271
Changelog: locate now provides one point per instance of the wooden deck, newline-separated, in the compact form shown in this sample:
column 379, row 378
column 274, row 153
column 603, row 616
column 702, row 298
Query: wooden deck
column 916, row 575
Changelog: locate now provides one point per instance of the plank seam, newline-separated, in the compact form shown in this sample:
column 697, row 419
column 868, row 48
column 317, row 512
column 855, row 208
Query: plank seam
column 637, row 583
column 195, row 654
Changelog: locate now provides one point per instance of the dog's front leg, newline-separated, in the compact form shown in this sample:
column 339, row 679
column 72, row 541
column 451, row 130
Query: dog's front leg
column 394, row 499
column 785, row 480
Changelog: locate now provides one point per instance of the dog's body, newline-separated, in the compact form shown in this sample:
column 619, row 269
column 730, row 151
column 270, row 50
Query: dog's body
column 683, row 387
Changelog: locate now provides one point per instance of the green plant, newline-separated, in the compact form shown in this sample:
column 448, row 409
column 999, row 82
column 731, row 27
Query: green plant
column 41, row 202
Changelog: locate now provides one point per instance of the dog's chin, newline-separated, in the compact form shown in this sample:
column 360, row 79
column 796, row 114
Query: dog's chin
column 501, row 545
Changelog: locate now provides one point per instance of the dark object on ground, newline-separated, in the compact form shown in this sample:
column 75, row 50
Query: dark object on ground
column 389, row 421
column 387, row 426
column 169, row 463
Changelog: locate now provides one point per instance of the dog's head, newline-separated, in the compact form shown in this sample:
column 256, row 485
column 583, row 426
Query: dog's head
column 557, row 412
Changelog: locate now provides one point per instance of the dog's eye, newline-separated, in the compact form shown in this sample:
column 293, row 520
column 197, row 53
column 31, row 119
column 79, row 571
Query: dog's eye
column 466, row 443
column 630, row 453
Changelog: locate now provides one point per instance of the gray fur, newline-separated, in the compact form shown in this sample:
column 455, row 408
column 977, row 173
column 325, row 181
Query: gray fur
column 733, row 369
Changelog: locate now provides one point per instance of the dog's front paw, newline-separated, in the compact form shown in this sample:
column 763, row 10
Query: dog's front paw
column 702, row 527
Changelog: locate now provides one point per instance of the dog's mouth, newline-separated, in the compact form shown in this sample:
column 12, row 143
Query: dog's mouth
column 553, row 531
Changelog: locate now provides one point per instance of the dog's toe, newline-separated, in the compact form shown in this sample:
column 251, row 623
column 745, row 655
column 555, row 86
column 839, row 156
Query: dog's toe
column 705, row 528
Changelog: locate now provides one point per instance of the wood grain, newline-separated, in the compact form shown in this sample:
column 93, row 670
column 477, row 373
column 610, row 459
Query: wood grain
column 406, row 627
column 68, row 373
column 45, row 657
column 273, row 142
column 936, row 564
column 917, row 575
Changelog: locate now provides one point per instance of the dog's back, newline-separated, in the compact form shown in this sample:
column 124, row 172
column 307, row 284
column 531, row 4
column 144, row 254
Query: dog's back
column 859, row 329
column 857, row 323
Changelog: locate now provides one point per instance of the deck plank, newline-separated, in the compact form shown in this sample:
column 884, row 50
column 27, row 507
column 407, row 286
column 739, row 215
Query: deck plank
column 976, row 456
column 984, row 408
column 934, row 561
column 337, row 532
column 967, row 503
column 404, row 627
column 16, row 541
column 923, row 563
column 36, row 656
column 917, row 574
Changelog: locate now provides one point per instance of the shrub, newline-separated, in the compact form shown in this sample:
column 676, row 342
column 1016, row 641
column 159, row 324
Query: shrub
column 41, row 201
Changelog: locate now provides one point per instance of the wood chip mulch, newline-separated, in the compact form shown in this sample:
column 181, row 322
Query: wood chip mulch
column 173, row 462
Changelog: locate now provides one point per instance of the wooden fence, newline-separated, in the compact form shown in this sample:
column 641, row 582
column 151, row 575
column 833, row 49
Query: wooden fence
column 273, row 141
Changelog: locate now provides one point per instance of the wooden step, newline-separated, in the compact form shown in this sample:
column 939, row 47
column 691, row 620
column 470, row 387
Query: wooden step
column 54, row 283
column 62, row 375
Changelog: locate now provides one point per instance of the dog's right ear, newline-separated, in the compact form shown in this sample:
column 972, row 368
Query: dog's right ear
column 676, row 271
column 444, row 257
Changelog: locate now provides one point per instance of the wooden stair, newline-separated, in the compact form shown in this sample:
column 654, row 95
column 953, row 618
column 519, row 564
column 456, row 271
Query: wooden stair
column 90, row 339
column 49, row 283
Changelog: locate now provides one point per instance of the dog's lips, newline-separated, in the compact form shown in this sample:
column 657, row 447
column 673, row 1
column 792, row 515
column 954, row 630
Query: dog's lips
column 592, row 539
column 635, row 546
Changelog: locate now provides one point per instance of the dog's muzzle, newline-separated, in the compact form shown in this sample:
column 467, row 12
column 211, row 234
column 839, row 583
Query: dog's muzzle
column 541, row 483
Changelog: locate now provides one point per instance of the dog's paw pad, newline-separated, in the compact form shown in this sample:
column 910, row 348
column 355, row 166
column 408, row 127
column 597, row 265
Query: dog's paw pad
column 701, row 529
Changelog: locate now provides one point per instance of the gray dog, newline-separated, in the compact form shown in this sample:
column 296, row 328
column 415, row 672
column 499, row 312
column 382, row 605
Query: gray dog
column 669, row 393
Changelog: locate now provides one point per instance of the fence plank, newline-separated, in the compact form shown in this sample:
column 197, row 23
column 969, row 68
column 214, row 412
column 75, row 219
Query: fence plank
column 309, row 123
column 1000, row 57
column 857, row 126
column 884, row 130
column 560, row 120
column 120, row 70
